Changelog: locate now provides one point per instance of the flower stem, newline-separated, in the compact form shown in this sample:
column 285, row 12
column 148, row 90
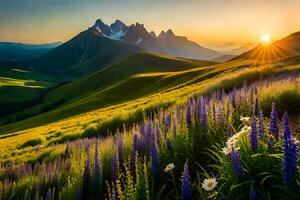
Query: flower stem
column 174, row 185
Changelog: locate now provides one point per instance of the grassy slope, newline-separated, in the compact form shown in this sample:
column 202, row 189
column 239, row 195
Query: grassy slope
column 20, row 89
column 198, row 80
column 107, row 86
column 129, row 89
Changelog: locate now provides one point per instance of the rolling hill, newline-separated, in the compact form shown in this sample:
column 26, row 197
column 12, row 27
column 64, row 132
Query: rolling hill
column 20, row 89
column 139, row 75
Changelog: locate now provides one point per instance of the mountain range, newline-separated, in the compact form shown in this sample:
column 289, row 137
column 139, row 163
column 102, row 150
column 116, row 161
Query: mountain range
column 165, row 43
column 12, row 53
column 109, row 64
column 102, row 44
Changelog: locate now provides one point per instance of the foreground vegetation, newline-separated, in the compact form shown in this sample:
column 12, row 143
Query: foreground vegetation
column 229, row 144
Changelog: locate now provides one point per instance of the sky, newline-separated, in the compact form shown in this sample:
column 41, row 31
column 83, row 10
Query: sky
column 210, row 23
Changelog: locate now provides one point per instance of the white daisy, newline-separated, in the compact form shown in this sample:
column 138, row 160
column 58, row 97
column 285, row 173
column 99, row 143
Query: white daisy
column 226, row 150
column 169, row 167
column 209, row 184
column 245, row 119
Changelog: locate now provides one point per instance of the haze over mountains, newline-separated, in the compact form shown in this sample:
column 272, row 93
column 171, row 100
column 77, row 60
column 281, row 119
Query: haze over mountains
column 11, row 52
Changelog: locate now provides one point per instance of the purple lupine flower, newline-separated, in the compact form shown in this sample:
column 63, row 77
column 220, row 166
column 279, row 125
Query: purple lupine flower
column 289, row 165
column 116, row 194
column 120, row 147
column 233, row 96
column 286, row 125
column 236, row 161
column 142, row 129
column 133, row 155
column 58, row 167
column 86, row 176
column 245, row 88
column 220, row 115
column 157, row 129
column 252, row 93
column 289, row 168
column 48, row 194
column 273, row 126
column 188, row 114
column 98, row 173
column 214, row 115
column 167, row 123
column 253, row 134
column 155, row 158
column 256, row 107
column 228, row 113
column 270, row 143
column 252, row 193
column 114, row 168
column 149, row 129
column 175, row 127
column 261, row 126
column 186, row 184
column 147, row 137
column 199, row 108
column 169, row 144
column 204, row 115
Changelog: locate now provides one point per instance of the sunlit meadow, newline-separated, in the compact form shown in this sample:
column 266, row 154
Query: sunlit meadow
column 223, row 143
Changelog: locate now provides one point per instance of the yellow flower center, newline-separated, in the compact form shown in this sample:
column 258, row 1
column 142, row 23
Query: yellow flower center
column 210, row 184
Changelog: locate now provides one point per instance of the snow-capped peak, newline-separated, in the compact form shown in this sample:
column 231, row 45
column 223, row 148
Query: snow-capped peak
column 115, row 31
column 116, row 36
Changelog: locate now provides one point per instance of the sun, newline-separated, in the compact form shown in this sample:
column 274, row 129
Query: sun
column 265, row 38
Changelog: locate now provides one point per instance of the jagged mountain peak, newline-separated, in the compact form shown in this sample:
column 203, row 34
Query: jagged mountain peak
column 166, row 42
column 152, row 34
column 162, row 34
column 169, row 34
column 118, row 26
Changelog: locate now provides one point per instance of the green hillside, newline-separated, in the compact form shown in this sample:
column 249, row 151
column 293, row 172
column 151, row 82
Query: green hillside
column 20, row 89
column 139, row 75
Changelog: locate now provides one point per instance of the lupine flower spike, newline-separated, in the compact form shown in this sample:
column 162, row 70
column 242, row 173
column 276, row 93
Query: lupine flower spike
column 253, row 134
column 261, row 127
column 236, row 161
column 186, row 184
column 273, row 125
column 289, row 168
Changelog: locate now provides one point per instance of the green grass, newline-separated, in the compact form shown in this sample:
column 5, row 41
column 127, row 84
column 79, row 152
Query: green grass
column 125, row 102
column 20, row 89
column 32, row 142
column 139, row 75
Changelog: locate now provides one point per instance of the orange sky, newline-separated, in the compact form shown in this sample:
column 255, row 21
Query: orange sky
column 210, row 23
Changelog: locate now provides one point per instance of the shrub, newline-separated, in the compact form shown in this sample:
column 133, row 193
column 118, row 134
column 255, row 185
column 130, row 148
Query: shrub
column 32, row 142
column 91, row 130
column 66, row 137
